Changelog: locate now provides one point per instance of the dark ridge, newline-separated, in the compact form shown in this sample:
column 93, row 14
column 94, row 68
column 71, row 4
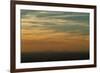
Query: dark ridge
column 53, row 56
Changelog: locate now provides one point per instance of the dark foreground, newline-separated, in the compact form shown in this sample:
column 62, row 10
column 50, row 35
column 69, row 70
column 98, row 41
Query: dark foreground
column 53, row 56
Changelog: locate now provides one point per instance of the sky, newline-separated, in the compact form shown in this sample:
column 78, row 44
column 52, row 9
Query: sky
column 54, row 31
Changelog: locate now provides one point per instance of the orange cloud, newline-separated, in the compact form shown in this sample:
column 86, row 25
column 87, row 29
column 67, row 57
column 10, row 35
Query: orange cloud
column 40, row 39
column 72, row 45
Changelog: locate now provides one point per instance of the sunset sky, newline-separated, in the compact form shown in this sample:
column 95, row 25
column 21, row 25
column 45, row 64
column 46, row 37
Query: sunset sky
column 54, row 31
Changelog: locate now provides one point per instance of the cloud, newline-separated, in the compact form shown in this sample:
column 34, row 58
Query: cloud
column 43, row 30
column 58, row 25
column 58, row 45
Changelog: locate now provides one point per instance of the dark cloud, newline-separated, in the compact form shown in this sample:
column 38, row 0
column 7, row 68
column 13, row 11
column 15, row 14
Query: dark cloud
column 78, row 22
